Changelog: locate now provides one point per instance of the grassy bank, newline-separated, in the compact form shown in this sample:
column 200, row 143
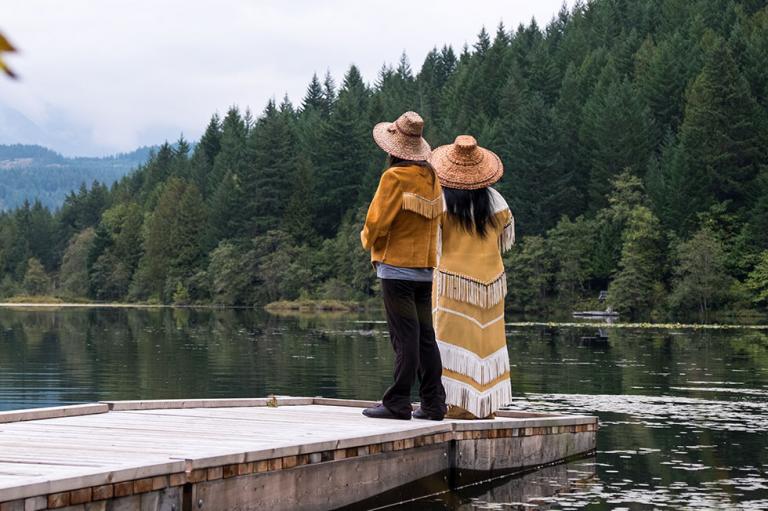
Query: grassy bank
column 34, row 299
column 307, row 305
column 301, row 305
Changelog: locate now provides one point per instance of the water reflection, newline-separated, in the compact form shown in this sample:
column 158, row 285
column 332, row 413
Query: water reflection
column 536, row 489
column 68, row 356
column 684, row 413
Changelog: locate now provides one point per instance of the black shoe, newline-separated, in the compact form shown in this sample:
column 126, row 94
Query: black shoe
column 421, row 414
column 382, row 412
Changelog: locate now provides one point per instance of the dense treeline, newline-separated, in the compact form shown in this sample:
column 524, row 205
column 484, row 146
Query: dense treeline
column 29, row 172
column 634, row 136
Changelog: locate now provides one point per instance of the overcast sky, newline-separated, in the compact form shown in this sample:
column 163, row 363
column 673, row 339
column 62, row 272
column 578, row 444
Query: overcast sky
column 103, row 76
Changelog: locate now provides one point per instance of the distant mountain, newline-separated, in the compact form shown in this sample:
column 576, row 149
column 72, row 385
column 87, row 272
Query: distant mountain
column 34, row 172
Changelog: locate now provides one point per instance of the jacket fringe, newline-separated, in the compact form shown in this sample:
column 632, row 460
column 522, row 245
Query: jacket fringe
column 507, row 236
column 463, row 361
column 480, row 404
column 468, row 290
column 424, row 207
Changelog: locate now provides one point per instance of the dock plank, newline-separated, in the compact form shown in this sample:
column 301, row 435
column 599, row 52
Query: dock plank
column 146, row 439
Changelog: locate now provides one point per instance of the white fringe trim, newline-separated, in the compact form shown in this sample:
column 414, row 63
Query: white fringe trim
column 469, row 290
column 423, row 206
column 507, row 236
column 464, row 361
column 480, row 404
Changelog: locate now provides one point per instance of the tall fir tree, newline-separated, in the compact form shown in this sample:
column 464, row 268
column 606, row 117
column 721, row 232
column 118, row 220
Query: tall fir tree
column 204, row 155
column 346, row 152
column 231, row 158
column 314, row 99
column 227, row 197
column 540, row 188
column 722, row 139
column 271, row 170
column 617, row 132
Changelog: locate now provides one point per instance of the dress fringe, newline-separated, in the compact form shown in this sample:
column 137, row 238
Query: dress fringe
column 507, row 237
column 468, row 290
column 424, row 207
column 464, row 361
column 480, row 404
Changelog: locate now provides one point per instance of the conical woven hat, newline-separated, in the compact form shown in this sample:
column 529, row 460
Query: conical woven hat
column 402, row 138
column 465, row 165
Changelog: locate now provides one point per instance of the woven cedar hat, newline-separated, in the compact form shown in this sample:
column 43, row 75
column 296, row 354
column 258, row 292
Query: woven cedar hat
column 402, row 138
column 465, row 165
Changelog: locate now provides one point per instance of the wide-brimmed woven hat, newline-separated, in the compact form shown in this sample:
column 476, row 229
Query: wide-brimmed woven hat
column 465, row 165
column 402, row 138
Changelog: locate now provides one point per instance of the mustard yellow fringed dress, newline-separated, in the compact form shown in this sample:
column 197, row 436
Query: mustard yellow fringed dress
column 468, row 310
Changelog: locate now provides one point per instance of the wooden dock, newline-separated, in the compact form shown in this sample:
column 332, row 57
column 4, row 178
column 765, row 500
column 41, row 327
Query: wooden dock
column 278, row 453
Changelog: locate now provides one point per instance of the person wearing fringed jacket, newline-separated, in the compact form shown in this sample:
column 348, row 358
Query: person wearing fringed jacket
column 401, row 233
column 470, row 283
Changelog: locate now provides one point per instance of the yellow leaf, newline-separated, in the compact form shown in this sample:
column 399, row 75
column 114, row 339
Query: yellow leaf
column 6, row 69
column 6, row 46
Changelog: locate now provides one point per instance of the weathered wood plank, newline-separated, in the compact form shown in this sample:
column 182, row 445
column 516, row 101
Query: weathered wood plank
column 52, row 412
column 65, row 449
column 155, row 404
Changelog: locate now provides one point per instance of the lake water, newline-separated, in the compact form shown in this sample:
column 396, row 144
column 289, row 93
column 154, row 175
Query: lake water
column 683, row 413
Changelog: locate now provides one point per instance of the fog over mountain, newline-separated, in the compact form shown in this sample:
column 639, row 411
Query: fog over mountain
column 33, row 172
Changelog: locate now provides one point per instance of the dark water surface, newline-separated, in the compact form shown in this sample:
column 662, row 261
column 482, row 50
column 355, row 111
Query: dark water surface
column 684, row 414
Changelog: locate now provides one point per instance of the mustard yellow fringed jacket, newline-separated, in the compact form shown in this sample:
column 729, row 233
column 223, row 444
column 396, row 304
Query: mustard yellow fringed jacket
column 401, row 225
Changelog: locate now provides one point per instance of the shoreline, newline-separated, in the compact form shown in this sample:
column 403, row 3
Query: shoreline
column 310, row 311
column 115, row 305
column 340, row 308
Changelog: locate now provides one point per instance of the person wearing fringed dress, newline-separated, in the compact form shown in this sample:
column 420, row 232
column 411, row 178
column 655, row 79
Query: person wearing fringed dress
column 469, row 283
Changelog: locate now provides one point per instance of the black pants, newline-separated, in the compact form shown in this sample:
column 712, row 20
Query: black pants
column 409, row 316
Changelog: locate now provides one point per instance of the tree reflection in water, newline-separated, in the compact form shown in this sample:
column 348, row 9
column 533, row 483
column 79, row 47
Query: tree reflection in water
column 684, row 413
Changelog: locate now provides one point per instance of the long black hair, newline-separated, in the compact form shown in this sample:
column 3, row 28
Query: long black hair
column 472, row 208
column 394, row 161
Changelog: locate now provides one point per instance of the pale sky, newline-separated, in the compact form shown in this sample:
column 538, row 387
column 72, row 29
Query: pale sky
column 104, row 76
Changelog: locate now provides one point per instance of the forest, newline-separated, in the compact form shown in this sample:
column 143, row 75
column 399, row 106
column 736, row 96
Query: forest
column 634, row 136
column 32, row 172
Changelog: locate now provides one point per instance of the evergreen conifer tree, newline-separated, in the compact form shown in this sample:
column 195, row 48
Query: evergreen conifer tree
column 346, row 152
column 722, row 137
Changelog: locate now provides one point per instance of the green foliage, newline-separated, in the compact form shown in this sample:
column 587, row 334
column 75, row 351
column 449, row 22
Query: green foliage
column 173, row 240
column 616, row 129
column 74, row 265
column 32, row 172
column 345, row 256
column 543, row 188
column 231, row 274
column 36, row 281
column 722, row 139
column 611, row 222
column 115, row 251
column 571, row 244
column 633, row 136
column 268, row 182
column 636, row 284
column 281, row 269
column 530, row 272
column 757, row 282
column 180, row 294
column 701, row 280
column 346, row 152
